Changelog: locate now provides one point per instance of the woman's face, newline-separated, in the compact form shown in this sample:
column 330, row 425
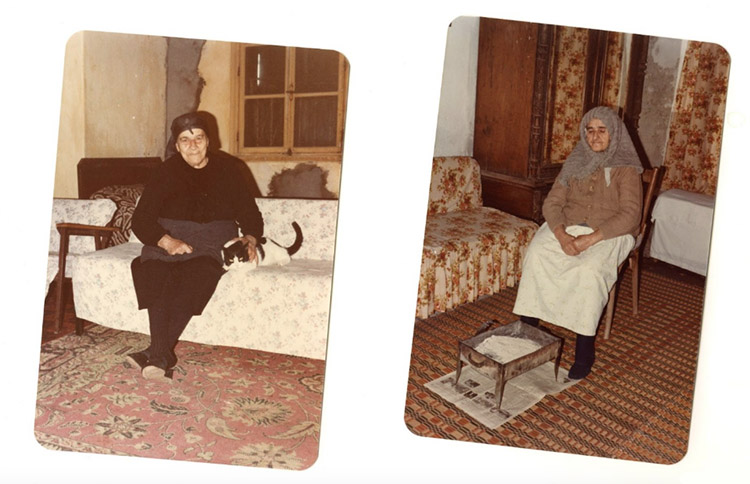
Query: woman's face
column 192, row 144
column 597, row 135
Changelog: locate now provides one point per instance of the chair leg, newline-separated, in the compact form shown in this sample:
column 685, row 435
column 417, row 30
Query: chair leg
column 610, row 311
column 59, row 302
column 635, row 266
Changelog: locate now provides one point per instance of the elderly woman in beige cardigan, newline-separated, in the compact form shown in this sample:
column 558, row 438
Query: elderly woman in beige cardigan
column 591, row 216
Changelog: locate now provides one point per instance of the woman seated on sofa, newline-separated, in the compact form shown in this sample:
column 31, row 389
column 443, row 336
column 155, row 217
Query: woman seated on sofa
column 592, row 214
column 189, row 209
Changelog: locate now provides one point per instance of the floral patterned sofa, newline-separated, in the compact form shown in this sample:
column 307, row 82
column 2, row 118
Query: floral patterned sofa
column 280, row 309
column 469, row 250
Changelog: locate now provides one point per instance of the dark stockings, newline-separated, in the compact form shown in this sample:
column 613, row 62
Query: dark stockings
column 167, row 321
column 530, row 321
column 584, row 357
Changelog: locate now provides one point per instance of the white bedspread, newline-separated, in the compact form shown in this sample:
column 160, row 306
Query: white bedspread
column 682, row 229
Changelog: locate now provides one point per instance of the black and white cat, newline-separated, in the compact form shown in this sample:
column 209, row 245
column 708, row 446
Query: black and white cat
column 268, row 252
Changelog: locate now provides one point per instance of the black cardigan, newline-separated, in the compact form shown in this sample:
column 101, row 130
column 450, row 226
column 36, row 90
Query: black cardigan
column 178, row 191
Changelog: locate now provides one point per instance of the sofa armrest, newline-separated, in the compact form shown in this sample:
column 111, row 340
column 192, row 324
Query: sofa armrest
column 456, row 185
column 101, row 236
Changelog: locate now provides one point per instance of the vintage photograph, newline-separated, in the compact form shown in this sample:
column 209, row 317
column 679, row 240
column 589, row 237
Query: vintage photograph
column 191, row 250
column 566, row 242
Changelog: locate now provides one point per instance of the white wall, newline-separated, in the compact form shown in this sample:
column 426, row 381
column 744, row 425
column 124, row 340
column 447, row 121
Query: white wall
column 113, row 101
column 455, row 124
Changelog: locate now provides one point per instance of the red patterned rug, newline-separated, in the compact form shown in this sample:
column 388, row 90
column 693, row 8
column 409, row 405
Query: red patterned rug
column 225, row 405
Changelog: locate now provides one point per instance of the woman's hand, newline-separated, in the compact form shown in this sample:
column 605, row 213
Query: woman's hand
column 174, row 246
column 567, row 241
column 583, row 242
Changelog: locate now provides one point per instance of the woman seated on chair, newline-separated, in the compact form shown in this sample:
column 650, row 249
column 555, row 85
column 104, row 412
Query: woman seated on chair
column 592, row 214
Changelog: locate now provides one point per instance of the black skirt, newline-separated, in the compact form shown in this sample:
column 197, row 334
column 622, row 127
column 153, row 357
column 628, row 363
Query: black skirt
column 188, row 283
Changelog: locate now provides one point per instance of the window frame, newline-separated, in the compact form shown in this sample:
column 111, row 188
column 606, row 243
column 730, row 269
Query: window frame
column 287, row 152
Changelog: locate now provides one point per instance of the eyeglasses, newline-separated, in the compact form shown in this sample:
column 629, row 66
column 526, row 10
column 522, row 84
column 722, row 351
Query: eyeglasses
column 198, row 140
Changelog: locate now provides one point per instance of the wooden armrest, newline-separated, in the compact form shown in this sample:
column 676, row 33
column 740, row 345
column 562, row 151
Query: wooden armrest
column 101, row 236
column 100, row 233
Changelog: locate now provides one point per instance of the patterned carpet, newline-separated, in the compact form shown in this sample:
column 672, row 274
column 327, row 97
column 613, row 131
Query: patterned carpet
column 635, row 405
column 225, row 405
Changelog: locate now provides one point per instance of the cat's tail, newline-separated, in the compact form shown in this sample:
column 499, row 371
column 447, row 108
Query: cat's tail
column 292, row 249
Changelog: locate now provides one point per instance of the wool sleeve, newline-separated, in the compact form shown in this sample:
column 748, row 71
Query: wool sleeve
column 552, row 208
column 249, row 216
column 145, row 223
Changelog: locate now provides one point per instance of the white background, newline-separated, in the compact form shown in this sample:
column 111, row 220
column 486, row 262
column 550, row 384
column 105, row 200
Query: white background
column 396, row 53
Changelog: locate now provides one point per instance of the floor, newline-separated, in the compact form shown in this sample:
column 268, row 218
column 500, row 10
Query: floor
column 636, row 404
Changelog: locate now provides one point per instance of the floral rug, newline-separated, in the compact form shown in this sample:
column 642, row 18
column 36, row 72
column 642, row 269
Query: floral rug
column 224, row 405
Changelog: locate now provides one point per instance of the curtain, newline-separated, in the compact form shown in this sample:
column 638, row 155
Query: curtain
column 570, row 80
column 613, row 70
column 694, row 144
column 570, row 83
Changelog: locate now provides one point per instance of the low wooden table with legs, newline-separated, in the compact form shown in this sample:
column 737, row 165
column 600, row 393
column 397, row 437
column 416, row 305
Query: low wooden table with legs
column 502, row 369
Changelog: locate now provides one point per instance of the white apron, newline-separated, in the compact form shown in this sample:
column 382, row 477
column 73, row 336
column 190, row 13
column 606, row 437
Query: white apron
column 569, row 291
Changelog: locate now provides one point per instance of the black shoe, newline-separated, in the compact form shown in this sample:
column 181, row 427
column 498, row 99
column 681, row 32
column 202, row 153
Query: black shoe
column 138, row 359
column 578, row 371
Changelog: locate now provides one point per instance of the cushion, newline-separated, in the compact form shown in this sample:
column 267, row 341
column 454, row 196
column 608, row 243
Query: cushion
column 125, row 197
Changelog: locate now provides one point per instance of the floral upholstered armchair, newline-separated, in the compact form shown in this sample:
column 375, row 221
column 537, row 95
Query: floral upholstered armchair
column 77, row 227
column 469, row 250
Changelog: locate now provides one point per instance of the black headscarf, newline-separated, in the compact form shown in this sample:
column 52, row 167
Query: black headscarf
column 188, row 121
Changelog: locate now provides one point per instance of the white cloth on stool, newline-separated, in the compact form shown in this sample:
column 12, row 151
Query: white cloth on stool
column 569, row 291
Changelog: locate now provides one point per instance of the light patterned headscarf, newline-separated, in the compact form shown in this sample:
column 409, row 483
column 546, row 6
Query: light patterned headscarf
column 584, row 161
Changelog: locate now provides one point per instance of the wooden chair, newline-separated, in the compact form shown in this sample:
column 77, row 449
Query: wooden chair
column 652, row 181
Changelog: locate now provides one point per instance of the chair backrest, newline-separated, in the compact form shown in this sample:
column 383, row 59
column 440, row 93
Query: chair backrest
column 651, row 181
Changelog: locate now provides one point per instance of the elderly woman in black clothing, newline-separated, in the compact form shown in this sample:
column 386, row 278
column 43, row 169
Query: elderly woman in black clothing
column 190, row 208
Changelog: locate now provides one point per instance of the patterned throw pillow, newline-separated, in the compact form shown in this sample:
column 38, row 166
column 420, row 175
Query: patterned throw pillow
column 125, row 197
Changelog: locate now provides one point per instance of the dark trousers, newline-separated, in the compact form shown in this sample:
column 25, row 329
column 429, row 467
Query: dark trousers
column 166, row 321
column 173, row 292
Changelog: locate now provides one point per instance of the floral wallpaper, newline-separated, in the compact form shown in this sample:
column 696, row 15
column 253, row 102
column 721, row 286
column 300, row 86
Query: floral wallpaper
column 694, row 145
